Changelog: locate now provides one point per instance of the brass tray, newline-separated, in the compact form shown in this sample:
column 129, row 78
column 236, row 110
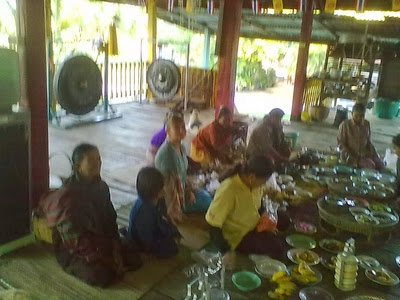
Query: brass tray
column 342, row 219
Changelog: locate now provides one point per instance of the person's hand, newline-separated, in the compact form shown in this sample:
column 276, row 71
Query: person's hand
column 229, row 260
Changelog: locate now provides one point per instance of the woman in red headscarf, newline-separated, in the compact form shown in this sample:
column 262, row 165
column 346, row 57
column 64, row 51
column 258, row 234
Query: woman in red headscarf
column 213, row 141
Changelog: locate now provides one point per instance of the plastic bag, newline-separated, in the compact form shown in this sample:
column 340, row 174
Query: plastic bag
column 269, row 219
column 391, row 160
column 272, row 184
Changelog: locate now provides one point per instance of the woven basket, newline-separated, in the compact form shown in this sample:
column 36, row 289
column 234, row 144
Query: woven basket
column 342, row 219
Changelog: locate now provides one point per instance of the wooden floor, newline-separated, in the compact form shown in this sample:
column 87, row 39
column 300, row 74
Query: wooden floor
column 123, row 143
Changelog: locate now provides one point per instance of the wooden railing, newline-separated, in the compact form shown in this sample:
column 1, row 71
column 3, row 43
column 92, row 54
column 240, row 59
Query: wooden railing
column 312, row 92
column 126, row 80
column 201, row 84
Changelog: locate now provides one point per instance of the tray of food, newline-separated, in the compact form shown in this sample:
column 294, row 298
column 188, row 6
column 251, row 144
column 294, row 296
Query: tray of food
column 301, row 241
column 304, row 274
column 331, row 245
column 366, row 224
column 329, row 262
column 361, row 189
column 367, row 262
column 303, row 255
column 382, row 276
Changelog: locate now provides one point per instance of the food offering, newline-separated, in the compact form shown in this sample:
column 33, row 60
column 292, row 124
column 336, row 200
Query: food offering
column 304, row 227
column 320, row 175
column 304, row 274
column 301, row 241
column 382, row 276
column 384, row 218
column 386, row 178
column 294, row 195
column 285, row 287
column 379, row 207
column 359, row 188
column 340, row 201
column 367, row 262
column 377, row 214
column 369, row 218
column 366, row 219
column 344, row 170
column 331, row 245
column 329, row 263
column 355, row 211
column 303, row 255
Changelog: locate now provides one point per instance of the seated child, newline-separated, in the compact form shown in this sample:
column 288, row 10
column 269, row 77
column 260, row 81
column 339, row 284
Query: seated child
column 148, row 224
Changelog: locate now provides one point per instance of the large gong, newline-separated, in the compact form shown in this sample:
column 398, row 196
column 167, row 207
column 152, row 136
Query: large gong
column 78, row 84
column 163, row 79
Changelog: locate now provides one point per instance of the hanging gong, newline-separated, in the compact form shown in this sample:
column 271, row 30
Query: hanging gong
column 163, row 79
column 78, row 85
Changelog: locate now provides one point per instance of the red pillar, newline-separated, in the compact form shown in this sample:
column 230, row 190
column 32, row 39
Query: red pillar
column 230, row 15
column 302, row 59
column 32, row 17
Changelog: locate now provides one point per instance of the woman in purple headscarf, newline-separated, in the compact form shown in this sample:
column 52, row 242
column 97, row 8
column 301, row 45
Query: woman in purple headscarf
column 157, row 140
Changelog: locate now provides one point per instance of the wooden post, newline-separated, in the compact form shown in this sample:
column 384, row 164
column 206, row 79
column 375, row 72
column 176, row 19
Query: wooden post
column 326, row 58
column 32, row 19
column 151, row 29
column 230, row 13
column 302, row 58
column 187, row 69
column 151, row 42
column 206, row 48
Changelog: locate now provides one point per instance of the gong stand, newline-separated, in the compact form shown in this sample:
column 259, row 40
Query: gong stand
column 78, row 87
column 164, row 79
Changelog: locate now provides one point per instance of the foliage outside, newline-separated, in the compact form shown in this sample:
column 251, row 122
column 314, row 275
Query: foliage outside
column 261, row 63
column 79, row 25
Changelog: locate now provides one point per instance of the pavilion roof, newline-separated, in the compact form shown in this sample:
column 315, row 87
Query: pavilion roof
column 327, row 28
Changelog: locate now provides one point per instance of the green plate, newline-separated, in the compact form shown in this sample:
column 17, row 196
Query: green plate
column 301, row 241
column 387, row 178
column 246, row 281
column 344, row 170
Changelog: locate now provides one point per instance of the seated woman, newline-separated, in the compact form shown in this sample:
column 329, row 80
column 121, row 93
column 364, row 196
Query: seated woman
column 268, row 139
column 149, row 227
column 236, row 211
column 83, row 221
column 213, row 141
column 172, row 162
column 156, row 141
column 354, row 139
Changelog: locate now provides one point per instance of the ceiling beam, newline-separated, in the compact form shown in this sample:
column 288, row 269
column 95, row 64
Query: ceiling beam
column 173, row 17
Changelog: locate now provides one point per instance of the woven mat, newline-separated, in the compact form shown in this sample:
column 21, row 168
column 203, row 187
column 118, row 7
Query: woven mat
column 34, row 269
